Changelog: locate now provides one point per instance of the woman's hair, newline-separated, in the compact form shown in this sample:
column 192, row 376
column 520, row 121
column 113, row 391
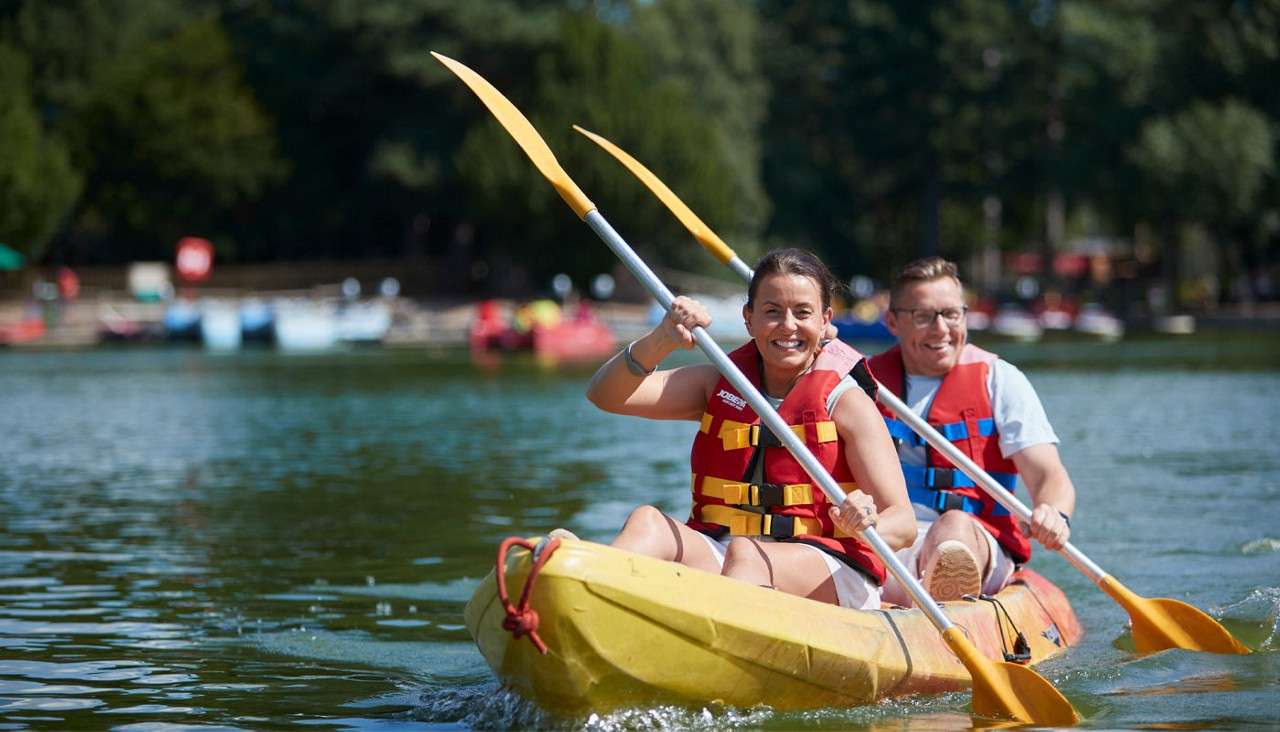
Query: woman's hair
column 927, row 269
column 797, row 262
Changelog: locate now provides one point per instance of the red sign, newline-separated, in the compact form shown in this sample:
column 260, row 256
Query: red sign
column 68, row 283
column 195, row 258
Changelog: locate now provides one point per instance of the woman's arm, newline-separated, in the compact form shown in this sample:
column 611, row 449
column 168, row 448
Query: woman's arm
column 874, row 463
column 680, row 393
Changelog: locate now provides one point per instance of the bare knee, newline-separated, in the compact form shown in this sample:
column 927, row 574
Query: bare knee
column 952, row 525
column 645, row 518
column 740, row 552
column 743, row 560
column 647, row 531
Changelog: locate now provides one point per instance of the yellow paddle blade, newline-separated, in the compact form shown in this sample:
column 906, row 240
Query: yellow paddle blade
column 703, row 233
column 1009, row 691
column 1162, row 623
column 525, row 136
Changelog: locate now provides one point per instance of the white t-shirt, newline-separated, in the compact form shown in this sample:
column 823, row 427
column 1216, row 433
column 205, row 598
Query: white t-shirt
column 1019, row 415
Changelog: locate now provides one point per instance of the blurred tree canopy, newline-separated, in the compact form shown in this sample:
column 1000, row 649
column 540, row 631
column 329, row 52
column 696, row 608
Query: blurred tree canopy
column 868, row 130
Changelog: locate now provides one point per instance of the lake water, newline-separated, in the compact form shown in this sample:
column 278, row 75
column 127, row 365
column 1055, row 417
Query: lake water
column 259, row 540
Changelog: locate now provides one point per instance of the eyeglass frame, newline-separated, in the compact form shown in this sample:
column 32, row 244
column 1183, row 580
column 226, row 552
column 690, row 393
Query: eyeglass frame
column 937, row 313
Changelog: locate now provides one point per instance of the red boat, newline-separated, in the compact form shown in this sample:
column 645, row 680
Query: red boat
column 22, row 331
column 539, row 327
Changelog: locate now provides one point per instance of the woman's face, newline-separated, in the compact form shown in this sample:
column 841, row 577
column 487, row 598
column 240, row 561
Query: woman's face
column 787, row 321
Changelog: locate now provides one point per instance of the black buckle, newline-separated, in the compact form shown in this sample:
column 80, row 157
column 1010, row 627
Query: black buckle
column 947, row 501
column 768, row 494
column 781, row 527
column 767, row 438
column 941, row 478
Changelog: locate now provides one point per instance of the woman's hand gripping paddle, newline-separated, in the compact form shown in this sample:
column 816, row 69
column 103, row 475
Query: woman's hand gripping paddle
column 999, row 689
column 1158, row 623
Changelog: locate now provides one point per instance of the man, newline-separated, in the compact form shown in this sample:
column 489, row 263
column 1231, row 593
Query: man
column 966, row 542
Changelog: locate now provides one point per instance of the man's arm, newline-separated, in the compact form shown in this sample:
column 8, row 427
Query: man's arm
column 1052, row 494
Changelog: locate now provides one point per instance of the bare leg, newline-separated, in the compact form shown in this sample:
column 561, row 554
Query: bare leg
column 650, row 532
column 792, row 568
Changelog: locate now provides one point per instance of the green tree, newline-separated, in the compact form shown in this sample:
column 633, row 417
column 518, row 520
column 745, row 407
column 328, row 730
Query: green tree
column 601, row 78
column 151, row 100
column 38, row 183
column 1207, row 164
column 368, row 120
column 176, row 139
column 881, row 114
column 710, row 50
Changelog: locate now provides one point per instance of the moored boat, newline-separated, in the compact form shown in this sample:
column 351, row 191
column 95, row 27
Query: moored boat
column 623, row 629
column 302, row 325
column 541, row 328
column 220, row 326
column 573, row 340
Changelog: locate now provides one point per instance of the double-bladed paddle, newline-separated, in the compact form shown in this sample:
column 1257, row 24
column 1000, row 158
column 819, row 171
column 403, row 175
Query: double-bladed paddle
column 999, row 689
column 1158, row 623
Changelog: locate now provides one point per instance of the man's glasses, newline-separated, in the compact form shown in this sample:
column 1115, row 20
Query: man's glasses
column 923, row 317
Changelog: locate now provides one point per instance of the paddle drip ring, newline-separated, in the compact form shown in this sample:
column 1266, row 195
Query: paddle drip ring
column 521, row 619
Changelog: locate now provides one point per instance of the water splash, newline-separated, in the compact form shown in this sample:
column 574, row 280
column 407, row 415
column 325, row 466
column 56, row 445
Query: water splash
column 480, row 706
column 672, row 717
column 1255, row 620
column 489, row 706
column 1265, row 545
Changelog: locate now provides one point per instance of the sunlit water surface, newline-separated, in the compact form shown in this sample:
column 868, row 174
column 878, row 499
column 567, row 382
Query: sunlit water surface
column 257, row 540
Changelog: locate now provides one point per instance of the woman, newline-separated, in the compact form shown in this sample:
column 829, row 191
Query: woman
column 756, row 515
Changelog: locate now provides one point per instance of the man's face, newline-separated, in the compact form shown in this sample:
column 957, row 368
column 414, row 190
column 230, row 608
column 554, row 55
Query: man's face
column 930, row 345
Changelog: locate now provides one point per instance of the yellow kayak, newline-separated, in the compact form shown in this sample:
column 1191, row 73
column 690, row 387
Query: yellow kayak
column 627, row 630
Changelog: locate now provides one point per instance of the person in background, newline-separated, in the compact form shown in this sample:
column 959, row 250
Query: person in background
column 967, row 542
column 756, row 515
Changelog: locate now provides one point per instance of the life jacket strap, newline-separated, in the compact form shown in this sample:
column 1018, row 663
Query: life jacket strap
column 954, row 431
column 943, row 501
column 941, row 479
column 740, row 493
column 741, row 435
column 748, row 523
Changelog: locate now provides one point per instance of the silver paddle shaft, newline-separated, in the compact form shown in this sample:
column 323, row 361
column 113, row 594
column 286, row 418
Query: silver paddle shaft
column 767, row 415
column 978, row 475
column 740, row 267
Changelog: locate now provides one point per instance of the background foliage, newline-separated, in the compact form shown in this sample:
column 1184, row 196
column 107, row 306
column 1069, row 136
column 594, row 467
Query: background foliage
column 869, row 130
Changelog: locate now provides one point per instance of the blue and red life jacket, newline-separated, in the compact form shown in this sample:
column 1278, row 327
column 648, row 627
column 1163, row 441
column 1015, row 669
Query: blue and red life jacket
column 962, row 412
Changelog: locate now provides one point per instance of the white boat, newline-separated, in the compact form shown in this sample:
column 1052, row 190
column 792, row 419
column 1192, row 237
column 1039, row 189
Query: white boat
column 302, row 325
column 1096, row 321
column 220, row 325
column 1012, row 321
column 1175, row 324
column 364, row 322
column 1055, row 320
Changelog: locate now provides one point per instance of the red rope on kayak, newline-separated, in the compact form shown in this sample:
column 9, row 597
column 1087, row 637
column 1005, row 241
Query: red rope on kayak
column 522, row 619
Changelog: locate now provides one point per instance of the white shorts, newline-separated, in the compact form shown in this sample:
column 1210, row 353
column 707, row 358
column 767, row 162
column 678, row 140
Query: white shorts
column 995, row 575
column 853, row 588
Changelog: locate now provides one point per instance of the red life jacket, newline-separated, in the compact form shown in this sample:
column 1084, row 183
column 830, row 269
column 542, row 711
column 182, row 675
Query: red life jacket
column 962, row 412
column 786, row 506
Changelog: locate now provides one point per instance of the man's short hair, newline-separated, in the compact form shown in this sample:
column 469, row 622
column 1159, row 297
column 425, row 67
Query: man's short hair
column 927, row 269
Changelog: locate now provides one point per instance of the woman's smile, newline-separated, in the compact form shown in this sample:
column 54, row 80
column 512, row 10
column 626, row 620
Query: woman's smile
column 787, row 321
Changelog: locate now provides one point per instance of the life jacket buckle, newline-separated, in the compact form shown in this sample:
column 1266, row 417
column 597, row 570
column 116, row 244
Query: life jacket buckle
column 762, row 436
